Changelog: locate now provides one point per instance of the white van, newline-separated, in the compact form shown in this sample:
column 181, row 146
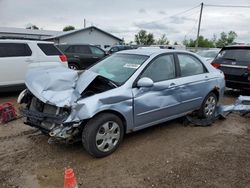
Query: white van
column 17, row 56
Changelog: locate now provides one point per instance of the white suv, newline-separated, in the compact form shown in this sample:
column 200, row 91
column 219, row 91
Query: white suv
column 17, row 56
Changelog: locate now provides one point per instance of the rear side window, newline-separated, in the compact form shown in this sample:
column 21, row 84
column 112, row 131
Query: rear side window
column 14, row 50
column 49, row 49
column 235, row 54
column 96, row 51
column 80, row 49
column 190, row 65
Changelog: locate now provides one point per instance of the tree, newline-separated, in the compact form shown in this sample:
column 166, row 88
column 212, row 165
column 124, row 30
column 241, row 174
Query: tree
column 162, row 40
column 68, row 28
column 203, row 42
column 176, row 43
column 32, row 27
column 226, row 39
column 144, row 38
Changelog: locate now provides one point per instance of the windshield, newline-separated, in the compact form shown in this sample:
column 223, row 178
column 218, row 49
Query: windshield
column 235, row 54
column 119, row 67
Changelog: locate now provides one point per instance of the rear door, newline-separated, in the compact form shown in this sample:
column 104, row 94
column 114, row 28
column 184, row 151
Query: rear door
column 235, row 63
column 15, row 59
column 82, row 54
column 97, row 53
column 193, row 80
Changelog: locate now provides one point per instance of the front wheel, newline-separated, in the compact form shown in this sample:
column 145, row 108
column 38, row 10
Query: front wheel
column 208, row 106
column 102, row 135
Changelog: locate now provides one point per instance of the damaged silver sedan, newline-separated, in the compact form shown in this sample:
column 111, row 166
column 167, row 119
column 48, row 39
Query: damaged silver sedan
column 125, row 92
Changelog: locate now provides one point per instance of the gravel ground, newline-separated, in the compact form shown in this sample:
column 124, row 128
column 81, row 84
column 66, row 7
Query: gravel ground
column 167, row 155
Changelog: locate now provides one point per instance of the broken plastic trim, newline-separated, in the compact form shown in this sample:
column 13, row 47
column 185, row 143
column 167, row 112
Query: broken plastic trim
column 241, row 105
column 41, row 116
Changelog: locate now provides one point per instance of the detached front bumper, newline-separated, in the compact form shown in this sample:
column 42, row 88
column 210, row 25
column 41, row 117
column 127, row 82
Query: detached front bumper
column 42, row 120
column 52, row 124
column 47, row 118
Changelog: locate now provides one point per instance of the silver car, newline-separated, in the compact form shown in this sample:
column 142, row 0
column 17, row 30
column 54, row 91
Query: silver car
column 125, row 92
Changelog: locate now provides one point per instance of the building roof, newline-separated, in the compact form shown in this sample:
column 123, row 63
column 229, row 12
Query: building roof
column 14, row 30
column 83, row 29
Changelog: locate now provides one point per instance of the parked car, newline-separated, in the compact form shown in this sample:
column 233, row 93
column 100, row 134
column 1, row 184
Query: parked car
column 234, row 61
column 208, row 55
column 81, row 56
column 118, row 48
column 125, row 92
column 17, row 56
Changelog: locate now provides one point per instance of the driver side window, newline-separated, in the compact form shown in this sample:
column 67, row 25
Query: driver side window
column 162, row 68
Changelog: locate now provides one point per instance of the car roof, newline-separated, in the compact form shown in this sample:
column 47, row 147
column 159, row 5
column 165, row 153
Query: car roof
column 149, row 52
column 237, row 46
column 210, row 50
column 23, row 41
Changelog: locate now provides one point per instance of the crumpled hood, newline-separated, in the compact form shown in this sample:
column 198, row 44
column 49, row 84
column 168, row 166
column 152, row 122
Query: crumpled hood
column 58, row 86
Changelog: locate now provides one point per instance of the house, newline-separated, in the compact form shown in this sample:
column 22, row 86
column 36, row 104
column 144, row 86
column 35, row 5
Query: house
column 27, row 34
column 89, row 35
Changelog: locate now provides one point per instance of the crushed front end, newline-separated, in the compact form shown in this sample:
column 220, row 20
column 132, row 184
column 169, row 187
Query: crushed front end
column 47, row 118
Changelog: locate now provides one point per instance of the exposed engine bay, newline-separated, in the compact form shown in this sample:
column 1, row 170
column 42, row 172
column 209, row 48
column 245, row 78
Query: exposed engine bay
column 50, row 119
column 98, row 85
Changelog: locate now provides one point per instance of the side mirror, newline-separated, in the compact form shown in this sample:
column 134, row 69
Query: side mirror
column 145, row 82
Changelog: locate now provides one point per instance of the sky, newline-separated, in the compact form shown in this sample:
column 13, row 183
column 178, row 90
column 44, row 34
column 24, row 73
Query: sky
column 124, row 18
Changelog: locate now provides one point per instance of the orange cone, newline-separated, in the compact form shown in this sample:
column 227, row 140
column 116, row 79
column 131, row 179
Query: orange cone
column 69, row 179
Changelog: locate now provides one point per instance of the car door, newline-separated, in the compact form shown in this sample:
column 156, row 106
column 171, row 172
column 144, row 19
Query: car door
column 97, row 53
column 80, row 54
column 161, row 101
column 193, row 80
column 15, row 59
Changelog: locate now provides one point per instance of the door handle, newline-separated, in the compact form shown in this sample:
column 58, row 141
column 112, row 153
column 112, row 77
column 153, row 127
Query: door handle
column 76, row 56
column 172, row 85
column 95, row 57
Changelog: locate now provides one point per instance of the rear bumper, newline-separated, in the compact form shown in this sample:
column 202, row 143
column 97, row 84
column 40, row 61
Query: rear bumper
column 238, row 85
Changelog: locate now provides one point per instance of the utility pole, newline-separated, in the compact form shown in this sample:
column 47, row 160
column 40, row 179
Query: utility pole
column 199, row 27
column 84, row 23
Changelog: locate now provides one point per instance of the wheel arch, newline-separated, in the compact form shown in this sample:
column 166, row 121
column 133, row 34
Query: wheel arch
column 123, row 119
column 216, row 92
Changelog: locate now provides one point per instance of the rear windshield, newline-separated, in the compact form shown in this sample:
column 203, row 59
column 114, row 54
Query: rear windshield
column 235, row 54
column 49, row 49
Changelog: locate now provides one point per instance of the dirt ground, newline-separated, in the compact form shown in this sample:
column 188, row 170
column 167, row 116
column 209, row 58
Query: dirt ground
column 167, row 155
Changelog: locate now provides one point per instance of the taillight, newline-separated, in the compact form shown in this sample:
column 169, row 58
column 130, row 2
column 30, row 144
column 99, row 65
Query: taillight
column 216, row 65
column 63, row 58
column 248, row 68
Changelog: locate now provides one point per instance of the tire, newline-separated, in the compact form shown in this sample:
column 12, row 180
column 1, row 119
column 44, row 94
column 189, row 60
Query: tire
column 102, row 135
column 73, row 66
column 208, row 107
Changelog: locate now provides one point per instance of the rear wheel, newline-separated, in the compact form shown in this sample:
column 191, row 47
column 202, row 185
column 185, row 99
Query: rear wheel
column 102, row 135
column 73, row 66
column 208, row 106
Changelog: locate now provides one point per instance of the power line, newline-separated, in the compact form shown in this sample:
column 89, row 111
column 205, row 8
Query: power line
column 227, row 6
column 174, row 15
column 185, row 11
